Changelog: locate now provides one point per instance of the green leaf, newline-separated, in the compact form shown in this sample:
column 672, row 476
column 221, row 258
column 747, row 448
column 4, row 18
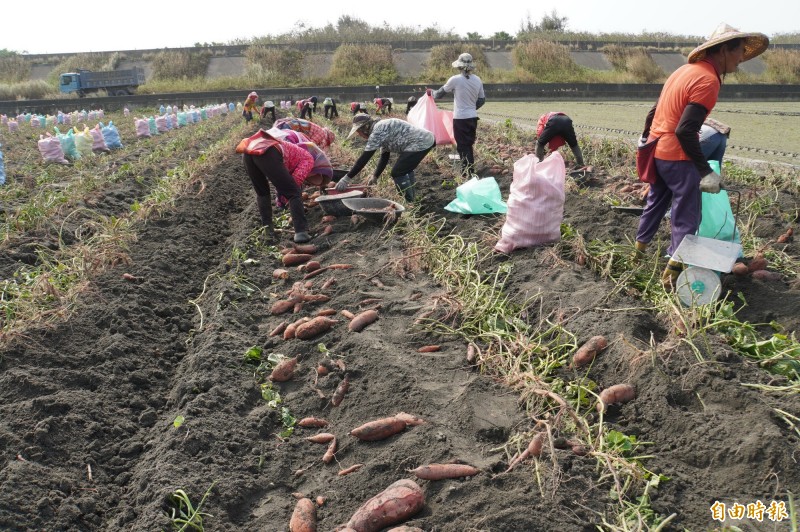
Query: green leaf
column 253, row 354
column 178, row 421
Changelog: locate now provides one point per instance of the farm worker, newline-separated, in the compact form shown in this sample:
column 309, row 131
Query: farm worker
column 249, row 106
column 329, row 106
column 314, row 101
column 357, row 107
column 269, row 160
column 320, row 174
column 686, row 99
column 384, row 105
column 412, row 143
column 269, row 107
column 553, row 130
column 412, row 101
column 306, row 109
column 321, row 136
column 468, row 97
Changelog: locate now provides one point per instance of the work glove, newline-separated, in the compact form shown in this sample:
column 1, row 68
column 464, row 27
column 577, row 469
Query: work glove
column 343, row 184
column 642, row 142
column 710, row 183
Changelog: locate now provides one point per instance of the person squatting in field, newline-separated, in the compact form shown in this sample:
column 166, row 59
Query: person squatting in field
column 329, row 107
column 269, row 160
column 390, row 135
column 686, row 99
column 468, row 97
column 383, row 106
column 269, row 108
column 553, row 130
column 306, row 108
column 249, row 106
column 357, row 107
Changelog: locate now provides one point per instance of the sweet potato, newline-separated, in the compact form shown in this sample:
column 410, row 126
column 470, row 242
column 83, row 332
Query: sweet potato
column 740, row 269
column 312, row 422
column 304, row 249
column 304, row 517
column 442, row 471
column 321, row 500
column 758, row 263
column 352, row 469
column 397, row 503
column 380, row 429
column 328, row 218
column 764, row 275
column 279, row 329
column 315, row 327
column 429, row 349
column 472, row 353
column 282, row 306
column 534, row 449
column 291, row 329
column 293, row 259
column 129, row 277
column 311, row 266
column 316, row 272
column 347, row 314
column 330, row 454
column 409, row 419
column 326, row 312
column 370, row 301
column 363, row 319
column 280, row 273
column 586, row 353
column 284, row 371
column 619, row 393
column 341, row 390
column 327, row 284
column 327, row 231
column 405, row 529
column 316, row 298
column 322, row 437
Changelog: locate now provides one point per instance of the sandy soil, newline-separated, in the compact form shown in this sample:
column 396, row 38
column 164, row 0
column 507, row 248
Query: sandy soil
column 87, row 407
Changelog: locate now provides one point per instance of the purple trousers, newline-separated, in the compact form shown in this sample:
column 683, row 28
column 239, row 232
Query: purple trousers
column 678, row 186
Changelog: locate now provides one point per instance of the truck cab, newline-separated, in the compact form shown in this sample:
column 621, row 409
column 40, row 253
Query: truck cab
column 69, row 82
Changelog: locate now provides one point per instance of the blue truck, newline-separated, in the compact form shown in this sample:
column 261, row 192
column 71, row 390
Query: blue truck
column 114, row 82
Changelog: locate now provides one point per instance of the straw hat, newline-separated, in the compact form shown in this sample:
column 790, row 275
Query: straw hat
column 464, row 62
column 754, row 43
column 359, row 121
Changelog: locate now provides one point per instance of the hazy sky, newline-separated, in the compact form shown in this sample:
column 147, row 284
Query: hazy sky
column 94, row 25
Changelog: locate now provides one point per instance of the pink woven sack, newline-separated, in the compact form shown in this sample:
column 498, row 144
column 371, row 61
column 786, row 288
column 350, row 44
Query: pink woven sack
column 535, row 205
column 427, row 116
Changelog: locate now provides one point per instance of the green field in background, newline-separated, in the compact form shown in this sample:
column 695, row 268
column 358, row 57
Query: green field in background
column 755, row 125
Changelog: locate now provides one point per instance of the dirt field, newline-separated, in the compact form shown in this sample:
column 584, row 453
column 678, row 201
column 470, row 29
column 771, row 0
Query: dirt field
column 88, row 403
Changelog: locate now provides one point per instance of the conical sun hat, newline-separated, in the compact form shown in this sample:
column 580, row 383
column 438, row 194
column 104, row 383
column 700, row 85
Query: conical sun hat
column 754, row 43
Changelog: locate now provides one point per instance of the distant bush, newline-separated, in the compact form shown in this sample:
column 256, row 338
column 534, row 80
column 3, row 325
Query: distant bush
column 27, row 90
column 14, row 68
column 783, row 66
column 546, row 61
column 180, row 64
column 634, row 61
column 440, row 61
column 363, row 64
column 273, row 66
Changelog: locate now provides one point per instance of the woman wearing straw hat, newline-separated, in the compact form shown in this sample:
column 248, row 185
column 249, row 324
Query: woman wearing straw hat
column 250, row 106
column 686, row 99
column 390, row 135
column 468, row 97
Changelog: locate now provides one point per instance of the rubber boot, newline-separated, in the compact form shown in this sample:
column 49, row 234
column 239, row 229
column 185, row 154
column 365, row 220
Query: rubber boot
column 265, row 212
column 405, row 185
column 639, row 252
column 670, row 276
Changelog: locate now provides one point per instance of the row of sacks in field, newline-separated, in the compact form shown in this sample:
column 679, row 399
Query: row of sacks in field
column 70, row 146
column 153, row 125
column 170, row 109
column 48, row 121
